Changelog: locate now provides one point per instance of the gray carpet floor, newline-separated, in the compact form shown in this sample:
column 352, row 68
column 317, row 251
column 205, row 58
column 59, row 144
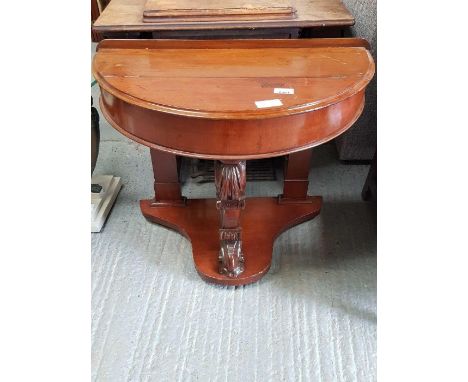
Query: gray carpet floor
column 311, row 318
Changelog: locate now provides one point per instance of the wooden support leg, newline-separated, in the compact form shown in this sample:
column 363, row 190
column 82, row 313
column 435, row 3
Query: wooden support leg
column 230, row 181
column 296, row 177
column 167, row 191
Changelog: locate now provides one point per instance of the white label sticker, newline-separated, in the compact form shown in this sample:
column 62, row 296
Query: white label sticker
column 268, row 103
column 283, row 91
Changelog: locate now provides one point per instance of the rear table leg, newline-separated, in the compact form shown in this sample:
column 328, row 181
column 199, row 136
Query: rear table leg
column 167, row 191
column 296, row 178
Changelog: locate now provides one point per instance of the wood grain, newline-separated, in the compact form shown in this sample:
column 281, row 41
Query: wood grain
column 219, row 18
column 197, row 98
column 220, row 81
column 230, row 139
column 183, row 8
column 127, row 15
column 262, row 221
column 169, row 11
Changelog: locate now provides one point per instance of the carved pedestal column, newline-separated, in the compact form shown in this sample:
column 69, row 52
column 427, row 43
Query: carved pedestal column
column 230, row 180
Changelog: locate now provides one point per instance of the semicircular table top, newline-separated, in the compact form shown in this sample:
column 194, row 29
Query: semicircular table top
column 236, row 80
column 222, row 80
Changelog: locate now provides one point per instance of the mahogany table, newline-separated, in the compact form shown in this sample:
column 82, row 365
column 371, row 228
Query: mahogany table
column 232, row 100
column 314, row 18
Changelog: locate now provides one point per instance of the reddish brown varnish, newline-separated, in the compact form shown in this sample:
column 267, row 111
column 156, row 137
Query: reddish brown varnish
column 262, row 220
column 197, row 98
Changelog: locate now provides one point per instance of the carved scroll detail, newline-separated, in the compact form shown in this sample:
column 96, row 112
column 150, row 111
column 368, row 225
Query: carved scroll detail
column 230, row 181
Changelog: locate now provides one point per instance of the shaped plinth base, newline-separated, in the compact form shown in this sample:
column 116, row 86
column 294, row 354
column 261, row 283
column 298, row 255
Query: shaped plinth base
column 262, row 220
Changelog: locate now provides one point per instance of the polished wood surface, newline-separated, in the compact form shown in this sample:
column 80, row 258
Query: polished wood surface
column 296, row 176
column 198, row 98
column 262, row 220
column 224, row 82
column 127, row 15
column 166, row 179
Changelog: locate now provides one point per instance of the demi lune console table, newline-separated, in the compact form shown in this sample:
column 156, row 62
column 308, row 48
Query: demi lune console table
column 230, row 101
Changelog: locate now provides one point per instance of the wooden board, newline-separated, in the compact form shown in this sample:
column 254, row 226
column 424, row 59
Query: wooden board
column 127, row 15
column 208, row 8
column 216, row 18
